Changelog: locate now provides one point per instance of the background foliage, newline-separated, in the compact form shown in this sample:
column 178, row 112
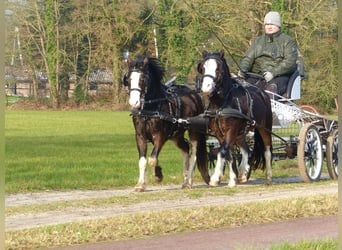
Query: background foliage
column 64, row 38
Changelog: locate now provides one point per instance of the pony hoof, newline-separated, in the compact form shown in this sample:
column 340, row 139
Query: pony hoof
column 139, row 189
column 231, row 185
column 243, row 179
column 214, row 183
column 186, row 186
column 268, row 182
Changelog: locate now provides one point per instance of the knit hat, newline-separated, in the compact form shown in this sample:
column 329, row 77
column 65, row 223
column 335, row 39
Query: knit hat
column 273, row 17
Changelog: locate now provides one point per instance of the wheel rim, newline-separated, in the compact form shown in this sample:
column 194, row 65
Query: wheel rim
column 332, row 154
column 335, row 156
column 313, row 154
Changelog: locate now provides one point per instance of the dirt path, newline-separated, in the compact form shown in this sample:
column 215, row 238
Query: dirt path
column 27, row 220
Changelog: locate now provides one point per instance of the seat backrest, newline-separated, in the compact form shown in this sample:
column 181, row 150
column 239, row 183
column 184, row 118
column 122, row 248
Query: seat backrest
column 293, row 86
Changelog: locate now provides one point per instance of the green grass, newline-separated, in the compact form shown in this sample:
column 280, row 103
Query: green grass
column 328, row 244
column 65, row 150
column 56, row 150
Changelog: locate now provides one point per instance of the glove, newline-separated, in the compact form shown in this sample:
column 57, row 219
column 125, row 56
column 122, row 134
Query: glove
column 241, row 74
column 268, row 76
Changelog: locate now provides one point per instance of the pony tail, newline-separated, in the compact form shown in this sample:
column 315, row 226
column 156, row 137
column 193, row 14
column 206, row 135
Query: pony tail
column 257, row 160
column 202, row 158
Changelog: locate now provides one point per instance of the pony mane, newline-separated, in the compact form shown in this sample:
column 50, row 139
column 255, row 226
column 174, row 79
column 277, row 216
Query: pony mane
column 157, row 69
column 151, row 66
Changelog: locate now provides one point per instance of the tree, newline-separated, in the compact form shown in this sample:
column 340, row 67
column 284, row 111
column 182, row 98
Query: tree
column 66, row 38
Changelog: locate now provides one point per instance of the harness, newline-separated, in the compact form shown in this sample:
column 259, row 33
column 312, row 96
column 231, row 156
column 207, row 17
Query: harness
column 174, row 109
column 226, row 110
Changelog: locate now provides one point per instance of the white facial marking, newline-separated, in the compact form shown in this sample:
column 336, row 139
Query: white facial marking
column 208, row 84
column 134, row 95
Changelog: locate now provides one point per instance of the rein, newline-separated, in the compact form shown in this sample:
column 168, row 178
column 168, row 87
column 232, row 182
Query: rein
column 170, row 95
column 154, row 114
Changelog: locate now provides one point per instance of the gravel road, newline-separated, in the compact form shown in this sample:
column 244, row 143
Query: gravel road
column 30, row 220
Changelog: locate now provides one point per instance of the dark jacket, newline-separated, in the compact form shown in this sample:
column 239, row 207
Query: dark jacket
column 276, row 53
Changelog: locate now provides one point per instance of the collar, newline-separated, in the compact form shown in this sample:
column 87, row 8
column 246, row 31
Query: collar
column 269, row 37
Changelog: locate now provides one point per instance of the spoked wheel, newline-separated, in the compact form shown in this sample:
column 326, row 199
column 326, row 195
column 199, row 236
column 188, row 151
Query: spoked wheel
column 332, row 154
column 310, row 153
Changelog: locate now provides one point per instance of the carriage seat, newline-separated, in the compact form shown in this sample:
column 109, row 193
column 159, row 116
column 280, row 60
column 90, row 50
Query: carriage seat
column 293, row 86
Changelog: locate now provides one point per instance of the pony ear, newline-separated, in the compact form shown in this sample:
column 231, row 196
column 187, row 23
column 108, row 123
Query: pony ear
column 125, row 80
column 205, row 53
column 222, row 53
column 129, row 62
column 199, row 68
column 145, row 60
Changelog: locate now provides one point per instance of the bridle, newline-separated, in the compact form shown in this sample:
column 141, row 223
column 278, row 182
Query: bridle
column 217, row 79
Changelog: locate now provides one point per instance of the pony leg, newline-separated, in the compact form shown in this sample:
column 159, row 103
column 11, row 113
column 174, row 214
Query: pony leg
column 140, row 187
column 232, row 176
column 189, row 165
column 244, row 166
column 153, row 162
column 183, row 145
column 156, row 169
column 268, row 159
column 215, row 179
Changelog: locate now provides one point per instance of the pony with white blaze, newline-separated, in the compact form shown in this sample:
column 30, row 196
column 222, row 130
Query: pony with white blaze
column 235, row 110
column 156, row 109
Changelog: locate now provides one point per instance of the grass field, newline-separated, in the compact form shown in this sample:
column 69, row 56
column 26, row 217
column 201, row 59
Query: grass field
column 59, row 150
column 65, row 150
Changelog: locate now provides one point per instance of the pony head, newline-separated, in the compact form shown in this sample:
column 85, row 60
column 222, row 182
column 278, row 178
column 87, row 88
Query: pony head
column 136, row 81
column 210, row 69
column 144, row 79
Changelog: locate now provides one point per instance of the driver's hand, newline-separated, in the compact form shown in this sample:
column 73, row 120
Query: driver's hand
column 242, row 74
column 268, row 76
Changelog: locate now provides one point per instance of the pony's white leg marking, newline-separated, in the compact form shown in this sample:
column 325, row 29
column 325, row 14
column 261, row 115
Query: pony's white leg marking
column 192, row 163
column 134, row 95
column 268, row 159
column 142, row 175
column 185, row 166
column 232, row 176
column 244, row 166
column 152, row 161
column 218, row 173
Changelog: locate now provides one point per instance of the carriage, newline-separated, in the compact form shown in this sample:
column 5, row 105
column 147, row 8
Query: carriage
column 298, row 131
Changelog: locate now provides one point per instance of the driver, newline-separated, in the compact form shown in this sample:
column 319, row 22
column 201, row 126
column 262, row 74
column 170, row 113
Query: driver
column 272, row 55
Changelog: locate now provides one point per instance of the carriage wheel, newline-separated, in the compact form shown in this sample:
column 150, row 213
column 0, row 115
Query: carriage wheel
column 332, row 154
column 310, row 153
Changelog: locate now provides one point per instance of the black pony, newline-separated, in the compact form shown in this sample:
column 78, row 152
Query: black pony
column 234, row 111
column 156, row 109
